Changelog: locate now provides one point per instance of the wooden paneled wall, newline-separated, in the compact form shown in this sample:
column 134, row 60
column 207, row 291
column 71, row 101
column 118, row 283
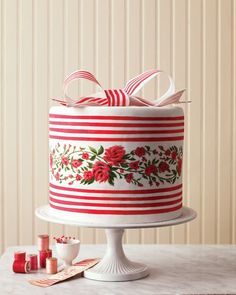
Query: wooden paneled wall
column 44, row 40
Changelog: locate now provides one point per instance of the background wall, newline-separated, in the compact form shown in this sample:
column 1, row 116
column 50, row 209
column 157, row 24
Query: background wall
column 193, row 40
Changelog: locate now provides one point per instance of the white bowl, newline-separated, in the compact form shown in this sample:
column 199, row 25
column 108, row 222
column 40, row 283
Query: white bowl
column 68, row 252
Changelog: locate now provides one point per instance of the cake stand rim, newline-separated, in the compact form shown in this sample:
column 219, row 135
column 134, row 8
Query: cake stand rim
column 188, row 214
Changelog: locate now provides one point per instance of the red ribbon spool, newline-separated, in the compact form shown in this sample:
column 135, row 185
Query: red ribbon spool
column 19, row 256
column 43, row 255
column 21, row 266
column 33, row 259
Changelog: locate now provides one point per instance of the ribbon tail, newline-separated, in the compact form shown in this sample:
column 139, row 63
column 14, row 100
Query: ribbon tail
column 75, row 104
column 62, row 102
column 142, row 102
column 171, row 99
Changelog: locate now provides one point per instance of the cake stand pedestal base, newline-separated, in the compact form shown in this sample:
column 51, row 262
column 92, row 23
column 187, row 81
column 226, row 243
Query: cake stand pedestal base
column 115, row 266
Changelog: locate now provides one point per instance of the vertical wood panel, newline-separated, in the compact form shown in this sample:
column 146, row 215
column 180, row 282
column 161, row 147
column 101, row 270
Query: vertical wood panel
column 1, row 128
column 25, row 124
column 233, row 176
column 40, row 104
column 195, row 138
column 10, row 121
column 224, row 120
column 118, row 43
column 209, row 109
column 194, row 41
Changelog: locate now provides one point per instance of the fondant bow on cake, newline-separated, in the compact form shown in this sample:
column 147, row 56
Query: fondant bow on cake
column 120, row 97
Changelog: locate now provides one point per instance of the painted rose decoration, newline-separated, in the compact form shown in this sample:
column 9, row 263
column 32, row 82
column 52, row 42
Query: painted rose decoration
column 88, row 165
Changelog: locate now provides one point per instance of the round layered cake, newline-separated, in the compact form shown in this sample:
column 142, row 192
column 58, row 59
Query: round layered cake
column 116, row 165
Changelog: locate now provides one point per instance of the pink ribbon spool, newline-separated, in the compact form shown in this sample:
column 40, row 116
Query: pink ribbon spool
column 120, row 97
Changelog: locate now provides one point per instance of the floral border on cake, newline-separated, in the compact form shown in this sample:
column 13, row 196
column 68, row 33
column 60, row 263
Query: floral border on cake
column 86, row 165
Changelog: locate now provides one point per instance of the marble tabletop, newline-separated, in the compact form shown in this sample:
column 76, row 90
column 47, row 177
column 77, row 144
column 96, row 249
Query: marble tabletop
column 174, row 269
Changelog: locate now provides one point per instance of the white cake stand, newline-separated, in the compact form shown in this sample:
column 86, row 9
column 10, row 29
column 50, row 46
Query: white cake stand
column 115, row 266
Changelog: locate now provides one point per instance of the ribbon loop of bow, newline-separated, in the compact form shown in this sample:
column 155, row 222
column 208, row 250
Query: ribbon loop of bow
column 120, row 97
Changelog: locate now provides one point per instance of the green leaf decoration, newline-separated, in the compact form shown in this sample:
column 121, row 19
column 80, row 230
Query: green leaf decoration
column 100, row 150
column 93, row 150
column 111, row 182
column 93, row 158
column 90, row 164
column 126, row 157
column 112, row 174
column 90, row 181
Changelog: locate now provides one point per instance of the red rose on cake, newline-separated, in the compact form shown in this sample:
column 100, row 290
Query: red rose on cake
column 64, row 161
column 51, row 160
column 114, row 155
column 179, row 166
column 134, row 165
column 129, row 177
column 140, row 151
column 78, row 177
column 163, row 166
column 76, row 163
column 101, row 171
column 150, row 169
column 173, row 155
column 85, row 156
column 57, row 176
column 167, row 152
column 88, row 175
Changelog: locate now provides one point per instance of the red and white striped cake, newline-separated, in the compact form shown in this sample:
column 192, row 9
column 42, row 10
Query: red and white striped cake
column 116, row 165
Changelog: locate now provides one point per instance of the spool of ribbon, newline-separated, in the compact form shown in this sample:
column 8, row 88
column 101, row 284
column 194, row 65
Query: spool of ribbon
column 120, row 97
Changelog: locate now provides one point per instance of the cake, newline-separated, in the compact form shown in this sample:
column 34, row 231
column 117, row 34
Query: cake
column 116, row 165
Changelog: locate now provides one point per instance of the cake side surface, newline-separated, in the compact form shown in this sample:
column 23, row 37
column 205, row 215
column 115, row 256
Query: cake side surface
column 116, row 164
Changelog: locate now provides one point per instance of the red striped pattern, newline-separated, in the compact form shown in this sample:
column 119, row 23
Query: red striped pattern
column 139, row 139
column 79, row 75
column 98, row 191
column 147, row 201
column 116, row 97
column 60, row 130
column 118, row 212
column 124, row 205
column 92, row 101
column 120, row 199
column 116, row 124
column 86, row 131
column 138, row 82
column 123, row 118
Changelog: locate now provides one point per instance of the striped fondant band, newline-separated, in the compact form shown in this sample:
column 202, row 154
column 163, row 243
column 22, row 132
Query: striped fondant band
column 123, row 118
column 130, row 202
column 107, row 129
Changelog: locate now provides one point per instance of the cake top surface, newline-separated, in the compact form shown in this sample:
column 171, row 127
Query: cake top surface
column 170, row 110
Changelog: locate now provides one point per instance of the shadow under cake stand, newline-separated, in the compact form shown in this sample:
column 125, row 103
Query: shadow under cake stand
column 115, row 266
